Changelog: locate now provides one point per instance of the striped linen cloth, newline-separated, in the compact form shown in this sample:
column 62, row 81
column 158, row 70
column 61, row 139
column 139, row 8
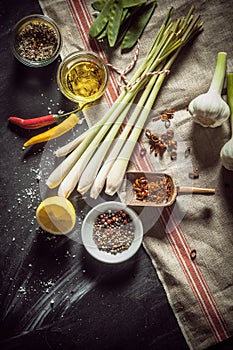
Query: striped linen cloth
column 199, row 289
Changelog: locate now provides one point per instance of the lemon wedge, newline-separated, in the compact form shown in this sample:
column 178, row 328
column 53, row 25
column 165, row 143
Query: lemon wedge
column 56, row 215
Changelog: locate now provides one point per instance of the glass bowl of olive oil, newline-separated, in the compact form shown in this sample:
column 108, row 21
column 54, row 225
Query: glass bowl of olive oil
column 82, row 77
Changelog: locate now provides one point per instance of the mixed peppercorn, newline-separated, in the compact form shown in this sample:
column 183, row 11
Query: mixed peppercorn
column 113, row 231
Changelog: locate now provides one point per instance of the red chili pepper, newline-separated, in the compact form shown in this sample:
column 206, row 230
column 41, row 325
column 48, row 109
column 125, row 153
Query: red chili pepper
column 34, row 123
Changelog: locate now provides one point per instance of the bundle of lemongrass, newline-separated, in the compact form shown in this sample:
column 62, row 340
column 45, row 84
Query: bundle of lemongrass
column 101, row 156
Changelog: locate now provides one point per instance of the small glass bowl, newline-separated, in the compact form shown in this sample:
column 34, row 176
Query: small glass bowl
column 82, row 77
column 36, row 40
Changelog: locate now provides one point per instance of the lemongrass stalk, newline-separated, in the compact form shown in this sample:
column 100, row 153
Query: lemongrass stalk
column 71, row 179
column 167, row 28
column 157, row 54
column 182, row 30
column 186, row 28
column 70, row 146
column 166, row 22
column 100, row 179
column 101, row 176
column 59, row 173
column 91, row 170
column 168, row 44
column 117, row 171
column 151, row 53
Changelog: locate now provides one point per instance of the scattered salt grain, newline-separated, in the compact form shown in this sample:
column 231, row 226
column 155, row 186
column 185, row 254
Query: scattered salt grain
column 81, row 121
column 22, row 290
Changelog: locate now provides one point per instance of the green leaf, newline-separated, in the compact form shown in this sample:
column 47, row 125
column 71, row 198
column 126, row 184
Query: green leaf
column 100, row 22
column 138, row 24
column 131, row 3
column 114, row 23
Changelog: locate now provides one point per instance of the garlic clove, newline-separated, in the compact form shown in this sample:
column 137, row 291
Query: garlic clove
column 226, row 155
column 209, row 109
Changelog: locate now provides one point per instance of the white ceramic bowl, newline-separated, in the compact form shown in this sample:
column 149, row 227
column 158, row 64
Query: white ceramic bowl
column 87, row 233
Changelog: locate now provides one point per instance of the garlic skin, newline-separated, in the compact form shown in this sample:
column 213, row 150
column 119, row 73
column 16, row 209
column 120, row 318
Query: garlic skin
column 209, row 109
column 226, row 155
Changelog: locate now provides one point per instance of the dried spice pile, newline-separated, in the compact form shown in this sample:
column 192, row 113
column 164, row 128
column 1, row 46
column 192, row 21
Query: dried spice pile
column 158, row 191
column 113, row 231
column 36, row 41
column 166, row 117
column 160, row 144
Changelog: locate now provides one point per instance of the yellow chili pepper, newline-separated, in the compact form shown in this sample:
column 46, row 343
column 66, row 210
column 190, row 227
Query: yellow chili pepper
column 54, row 132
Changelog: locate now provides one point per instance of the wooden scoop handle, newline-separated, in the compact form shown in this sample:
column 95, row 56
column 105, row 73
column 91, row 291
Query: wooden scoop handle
column 200, row 190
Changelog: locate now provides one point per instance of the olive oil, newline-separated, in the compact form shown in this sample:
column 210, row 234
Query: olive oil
column 85, row 80
column 82, row 77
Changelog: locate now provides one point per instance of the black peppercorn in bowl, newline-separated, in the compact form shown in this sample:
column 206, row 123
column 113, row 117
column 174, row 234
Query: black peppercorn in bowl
column 36, row 40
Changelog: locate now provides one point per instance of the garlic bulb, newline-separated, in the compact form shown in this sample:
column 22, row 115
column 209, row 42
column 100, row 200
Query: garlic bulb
column 209, row 109
column 226, row 153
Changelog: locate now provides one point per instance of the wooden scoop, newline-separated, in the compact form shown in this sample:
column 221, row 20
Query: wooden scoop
column 155, row 189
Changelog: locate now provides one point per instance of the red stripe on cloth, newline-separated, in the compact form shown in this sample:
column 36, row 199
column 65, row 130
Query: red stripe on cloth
column 176, row 237
column 143, row 163
column 194, row 263
column 191, row 269
column 195, row 278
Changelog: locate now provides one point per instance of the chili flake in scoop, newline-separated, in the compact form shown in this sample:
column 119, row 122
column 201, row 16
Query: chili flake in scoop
column 158, row 191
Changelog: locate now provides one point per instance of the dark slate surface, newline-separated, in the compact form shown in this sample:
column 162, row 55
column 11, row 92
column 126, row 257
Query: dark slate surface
column 53, row 295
